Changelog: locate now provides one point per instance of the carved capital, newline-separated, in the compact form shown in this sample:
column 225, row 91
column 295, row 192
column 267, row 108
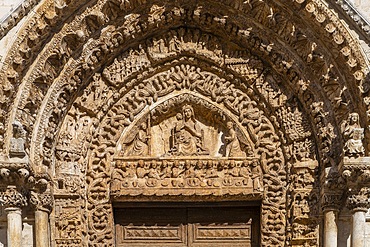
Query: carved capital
column 41, row 201
column 331, row 201
column 356, row 172
column 359, row 200
column 15, row 171
column 12, row 197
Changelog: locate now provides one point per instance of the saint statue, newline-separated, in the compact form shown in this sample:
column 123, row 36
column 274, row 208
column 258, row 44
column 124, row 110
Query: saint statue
column 187, row 135
column 353, row 135
column 18, row 140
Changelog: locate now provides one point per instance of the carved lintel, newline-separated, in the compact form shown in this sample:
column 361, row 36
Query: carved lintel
column 13, row 197
column 190, row 177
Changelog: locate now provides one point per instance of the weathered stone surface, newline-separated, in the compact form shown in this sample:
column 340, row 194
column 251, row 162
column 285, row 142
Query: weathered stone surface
column 113, row 104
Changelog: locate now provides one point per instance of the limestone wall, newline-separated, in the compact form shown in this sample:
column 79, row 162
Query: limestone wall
column 7, row 6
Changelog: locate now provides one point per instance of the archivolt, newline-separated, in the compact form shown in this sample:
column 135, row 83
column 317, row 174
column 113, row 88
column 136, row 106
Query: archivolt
column 128, row 105
column 67, row 44
column 233, row 53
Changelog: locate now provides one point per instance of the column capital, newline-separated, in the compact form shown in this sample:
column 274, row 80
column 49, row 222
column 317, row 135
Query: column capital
column 42, row 201
column 358, row 200
column 12, row 197
column 331, row 201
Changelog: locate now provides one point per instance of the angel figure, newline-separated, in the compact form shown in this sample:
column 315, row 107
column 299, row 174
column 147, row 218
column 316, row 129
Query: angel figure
column 353, row 135
column 138, row 146
column 233, row 147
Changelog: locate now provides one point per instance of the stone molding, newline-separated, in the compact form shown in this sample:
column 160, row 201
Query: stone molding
column 352, row 15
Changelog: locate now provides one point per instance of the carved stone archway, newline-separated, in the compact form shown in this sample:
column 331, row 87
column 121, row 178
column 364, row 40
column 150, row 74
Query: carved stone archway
column 263, row 66
column 258, row 126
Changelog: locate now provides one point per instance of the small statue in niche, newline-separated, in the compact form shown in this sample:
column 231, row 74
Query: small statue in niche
column 256, row 176
column 187, row 135
column 17, row 141
column 138, row 146
column 353, row 135
column 233, row 148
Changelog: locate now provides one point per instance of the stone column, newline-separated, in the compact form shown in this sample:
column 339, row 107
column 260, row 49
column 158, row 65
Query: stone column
column 13, row 200
column 355, row 172
column 358, row 203
column 330, row 227
column 42, row 203
column 331, row 201
column 358, row 228
column 14, row 231
column 42, row 228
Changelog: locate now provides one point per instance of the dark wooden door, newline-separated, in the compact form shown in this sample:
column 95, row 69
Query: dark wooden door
column 187, row 226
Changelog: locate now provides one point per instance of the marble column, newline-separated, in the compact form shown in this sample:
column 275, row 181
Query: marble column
column 42, row 228
column 14, row 231
column 330, row 227
column 358, row 228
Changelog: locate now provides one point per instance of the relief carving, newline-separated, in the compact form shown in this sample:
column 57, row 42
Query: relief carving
column 108, row 27
column 353, row 135
column 18, row 140
column 171, row 176
column 138, row 146
column 187, row 135
column 233, row 147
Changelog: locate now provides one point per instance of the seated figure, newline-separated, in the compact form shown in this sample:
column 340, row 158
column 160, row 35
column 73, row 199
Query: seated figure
column 187, row 135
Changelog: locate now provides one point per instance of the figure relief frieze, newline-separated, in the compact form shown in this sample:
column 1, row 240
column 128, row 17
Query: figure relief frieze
column 190, row 176
column 304, row 204
column 183, row 133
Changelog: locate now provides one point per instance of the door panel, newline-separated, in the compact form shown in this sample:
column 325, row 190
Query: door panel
column 220, row 226
column 151, row 227
column 187, row 226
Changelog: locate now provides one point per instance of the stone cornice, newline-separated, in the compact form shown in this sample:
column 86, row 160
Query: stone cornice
column 354, row 18
column 16, row 16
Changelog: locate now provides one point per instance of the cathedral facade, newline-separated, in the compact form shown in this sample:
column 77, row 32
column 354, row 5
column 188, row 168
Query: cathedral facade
column 185, row 123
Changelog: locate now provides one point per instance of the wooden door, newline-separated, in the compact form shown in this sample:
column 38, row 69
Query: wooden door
column 186, row 226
